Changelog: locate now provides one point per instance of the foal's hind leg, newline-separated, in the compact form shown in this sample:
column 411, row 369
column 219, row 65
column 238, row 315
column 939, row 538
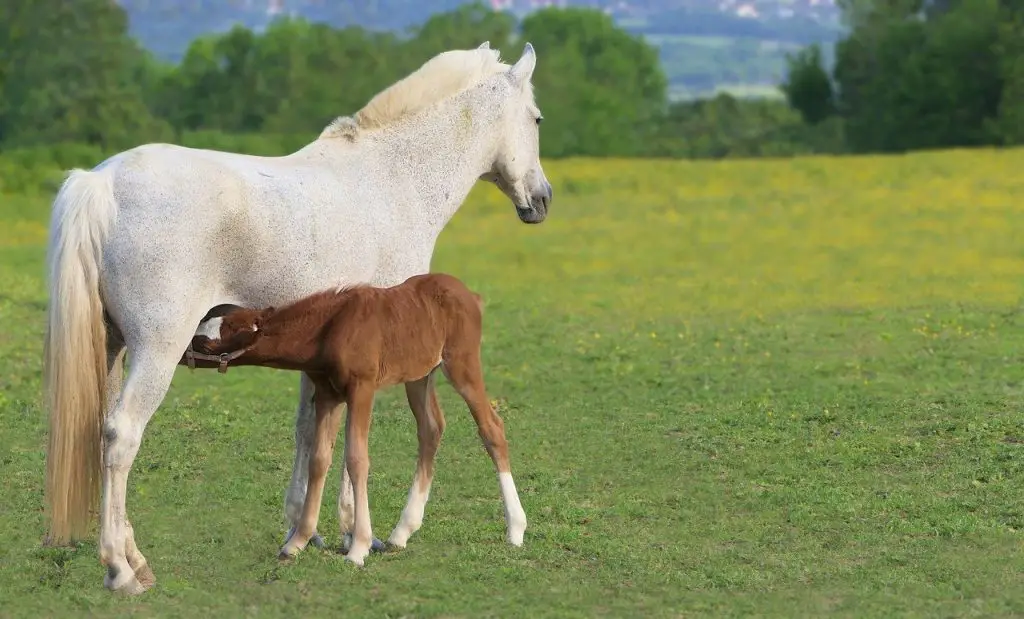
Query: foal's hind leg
column 463, row 370
column 328, row 414
column 429, row 429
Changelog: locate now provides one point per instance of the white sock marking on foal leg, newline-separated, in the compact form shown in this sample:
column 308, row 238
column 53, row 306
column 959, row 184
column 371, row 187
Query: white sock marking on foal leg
column 515, row 517
column 412, row 515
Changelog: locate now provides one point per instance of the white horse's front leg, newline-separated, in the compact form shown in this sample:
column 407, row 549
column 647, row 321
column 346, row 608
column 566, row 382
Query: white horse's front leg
column 346, row 503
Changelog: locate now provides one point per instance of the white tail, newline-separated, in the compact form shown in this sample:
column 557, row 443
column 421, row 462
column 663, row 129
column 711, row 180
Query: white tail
column 75, row 351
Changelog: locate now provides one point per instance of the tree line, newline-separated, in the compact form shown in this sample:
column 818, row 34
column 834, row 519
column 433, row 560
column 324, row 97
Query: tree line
column 70, row 73
column 919, row 76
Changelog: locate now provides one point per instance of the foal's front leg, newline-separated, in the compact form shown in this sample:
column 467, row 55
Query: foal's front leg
column 328, row 415
column 305, row 426
column 347, row 512
column 357, row 458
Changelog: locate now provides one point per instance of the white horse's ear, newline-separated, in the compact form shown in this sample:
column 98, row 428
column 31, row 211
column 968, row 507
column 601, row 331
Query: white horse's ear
column 522, row 70
column 485, row 45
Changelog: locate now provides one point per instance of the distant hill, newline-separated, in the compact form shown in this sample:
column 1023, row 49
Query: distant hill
column 705, row 45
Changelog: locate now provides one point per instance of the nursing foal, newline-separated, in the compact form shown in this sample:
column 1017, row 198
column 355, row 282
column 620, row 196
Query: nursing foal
column 353, row 342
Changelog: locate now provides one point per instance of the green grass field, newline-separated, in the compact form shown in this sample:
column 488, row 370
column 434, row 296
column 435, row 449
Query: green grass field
column 774, row 388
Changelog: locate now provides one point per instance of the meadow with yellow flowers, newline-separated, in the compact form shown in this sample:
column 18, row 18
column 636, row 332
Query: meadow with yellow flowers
column 775, row 388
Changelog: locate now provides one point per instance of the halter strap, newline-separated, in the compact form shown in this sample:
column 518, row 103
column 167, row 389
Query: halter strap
column 222, row 359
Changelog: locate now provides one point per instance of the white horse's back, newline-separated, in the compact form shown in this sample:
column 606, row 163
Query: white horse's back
column 244, row 229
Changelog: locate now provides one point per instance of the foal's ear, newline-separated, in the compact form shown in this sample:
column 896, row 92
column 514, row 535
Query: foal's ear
column 522, row 70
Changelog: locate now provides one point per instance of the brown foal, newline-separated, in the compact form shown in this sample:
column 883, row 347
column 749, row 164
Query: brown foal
column 353, row 342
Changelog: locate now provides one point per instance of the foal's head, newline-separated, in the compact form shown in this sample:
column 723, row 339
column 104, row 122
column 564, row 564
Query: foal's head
column 516, row 169
column 236, row 330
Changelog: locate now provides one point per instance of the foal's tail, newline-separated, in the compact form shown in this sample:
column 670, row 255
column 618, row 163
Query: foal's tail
column 75, row 351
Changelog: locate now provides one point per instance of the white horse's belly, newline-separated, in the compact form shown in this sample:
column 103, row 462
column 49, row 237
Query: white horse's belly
column 330, row 270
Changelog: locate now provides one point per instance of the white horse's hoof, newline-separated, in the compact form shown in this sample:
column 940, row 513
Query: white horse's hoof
column 125, row 582
column 144, row 574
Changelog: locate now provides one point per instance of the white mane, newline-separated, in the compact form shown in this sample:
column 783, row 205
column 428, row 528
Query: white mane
column 443, row 76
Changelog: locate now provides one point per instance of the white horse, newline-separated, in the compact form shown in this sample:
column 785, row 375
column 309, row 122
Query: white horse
column 142, row 246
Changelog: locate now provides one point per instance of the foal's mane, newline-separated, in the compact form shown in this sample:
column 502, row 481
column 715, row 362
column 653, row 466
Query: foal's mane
column 445, row 75
column 317, row 306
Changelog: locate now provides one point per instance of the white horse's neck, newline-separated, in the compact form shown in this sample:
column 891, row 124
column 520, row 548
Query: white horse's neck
column 439, row 155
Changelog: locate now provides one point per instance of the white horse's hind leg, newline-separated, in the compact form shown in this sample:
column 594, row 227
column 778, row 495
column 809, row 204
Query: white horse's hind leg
column 115, row 380
column 346, row 503
column 148, row 379
column 305, row 429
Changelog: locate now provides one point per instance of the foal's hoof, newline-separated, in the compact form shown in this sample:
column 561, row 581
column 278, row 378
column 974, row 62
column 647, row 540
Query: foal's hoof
column 357, row 558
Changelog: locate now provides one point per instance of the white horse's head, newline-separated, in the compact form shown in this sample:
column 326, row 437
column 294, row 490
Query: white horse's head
column 516, row 169
column 509, row 156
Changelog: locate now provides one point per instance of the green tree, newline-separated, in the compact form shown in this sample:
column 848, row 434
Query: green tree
column 808, row 87
column 1009, row 122
column 465, row 27
column 295, row 77
column 319, row 73
column 69, row 73
column 218, row 85
column 908, row 83
column 600, row 88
